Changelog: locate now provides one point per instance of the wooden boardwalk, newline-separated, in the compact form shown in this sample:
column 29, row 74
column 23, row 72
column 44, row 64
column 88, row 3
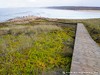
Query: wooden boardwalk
column 86, row 55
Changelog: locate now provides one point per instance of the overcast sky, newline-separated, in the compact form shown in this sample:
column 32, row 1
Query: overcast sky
column 39, row 3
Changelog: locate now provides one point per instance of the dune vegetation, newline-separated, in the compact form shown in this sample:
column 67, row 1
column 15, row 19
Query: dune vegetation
column 92, row 25
column 39, row 47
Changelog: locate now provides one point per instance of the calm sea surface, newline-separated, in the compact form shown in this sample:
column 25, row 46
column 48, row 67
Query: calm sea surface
column 8, row 13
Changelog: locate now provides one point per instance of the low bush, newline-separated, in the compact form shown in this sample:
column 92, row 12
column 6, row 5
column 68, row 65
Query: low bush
column 47, row 49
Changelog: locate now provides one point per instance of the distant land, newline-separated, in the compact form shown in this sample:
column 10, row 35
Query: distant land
column 74, row 8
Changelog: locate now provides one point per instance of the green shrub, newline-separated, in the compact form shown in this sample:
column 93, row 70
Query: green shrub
column 36, row 53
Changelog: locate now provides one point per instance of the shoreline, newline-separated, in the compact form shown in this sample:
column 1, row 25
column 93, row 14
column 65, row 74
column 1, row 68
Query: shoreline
column 29, row 18
column 89, row 10
column 25, row 18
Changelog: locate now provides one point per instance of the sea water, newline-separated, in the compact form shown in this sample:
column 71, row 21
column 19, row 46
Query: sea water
column 9, row 13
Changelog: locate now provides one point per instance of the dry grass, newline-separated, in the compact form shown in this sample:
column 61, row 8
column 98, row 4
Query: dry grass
column 35, row 50
column 46, row 28
column 28, row 29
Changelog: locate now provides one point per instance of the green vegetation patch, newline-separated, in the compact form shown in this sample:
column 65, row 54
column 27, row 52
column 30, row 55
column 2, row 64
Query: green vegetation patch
column 92, row 25
column 36, row 50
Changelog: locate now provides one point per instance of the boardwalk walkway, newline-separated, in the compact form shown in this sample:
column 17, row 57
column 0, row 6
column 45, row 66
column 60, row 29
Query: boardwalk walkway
column 86, row 55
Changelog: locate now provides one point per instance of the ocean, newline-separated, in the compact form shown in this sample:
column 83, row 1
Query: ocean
column 10, row 13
